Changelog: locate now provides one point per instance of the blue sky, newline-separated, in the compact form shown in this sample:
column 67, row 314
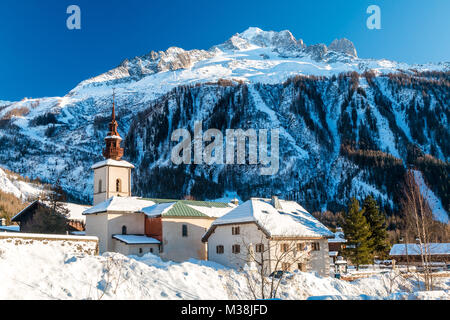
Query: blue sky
column 40, row 57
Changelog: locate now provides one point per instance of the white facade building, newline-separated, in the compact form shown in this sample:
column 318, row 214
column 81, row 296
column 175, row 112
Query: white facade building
column 280, row 232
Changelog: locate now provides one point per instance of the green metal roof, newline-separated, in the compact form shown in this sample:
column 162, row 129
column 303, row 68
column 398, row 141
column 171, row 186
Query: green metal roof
column 182, row 210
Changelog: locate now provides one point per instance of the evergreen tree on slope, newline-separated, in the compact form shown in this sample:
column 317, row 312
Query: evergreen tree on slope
column 377, row 222
column 357, row 232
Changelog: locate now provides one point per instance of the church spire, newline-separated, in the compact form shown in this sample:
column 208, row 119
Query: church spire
column 113, row 139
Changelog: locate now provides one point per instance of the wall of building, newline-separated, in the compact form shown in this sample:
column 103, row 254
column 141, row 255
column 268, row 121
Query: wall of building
column 105, row 225
column 97, row 225
column 100, row 174
column 153, row 227
column 108, row 175
column 69, row 244
column 124, row 175
column 179, row 248
column 250, row 235
column 134, row 222
column 134, row 249
column 320, row 260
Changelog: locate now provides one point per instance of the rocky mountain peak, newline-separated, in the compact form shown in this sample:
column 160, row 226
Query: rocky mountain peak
column 343, row 46
column 282, row 40
column 317, row 51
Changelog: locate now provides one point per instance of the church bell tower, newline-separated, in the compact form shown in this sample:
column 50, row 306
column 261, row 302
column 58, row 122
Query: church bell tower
column 112, row 176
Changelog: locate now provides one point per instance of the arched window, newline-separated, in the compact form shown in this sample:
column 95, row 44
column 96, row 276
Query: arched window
column 118, row 185
column 124, row 229
column 100, row 186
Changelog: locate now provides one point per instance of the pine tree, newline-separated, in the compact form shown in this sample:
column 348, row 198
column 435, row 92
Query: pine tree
column 377, row 222
column 357, row 232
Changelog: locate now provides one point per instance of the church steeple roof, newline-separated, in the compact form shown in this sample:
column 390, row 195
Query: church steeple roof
column 113, row 139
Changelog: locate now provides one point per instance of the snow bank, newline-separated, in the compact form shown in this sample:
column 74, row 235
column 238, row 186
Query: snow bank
column 47, row 272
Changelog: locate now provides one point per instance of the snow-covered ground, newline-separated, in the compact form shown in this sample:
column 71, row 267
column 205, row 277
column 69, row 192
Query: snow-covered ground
column 56, row 274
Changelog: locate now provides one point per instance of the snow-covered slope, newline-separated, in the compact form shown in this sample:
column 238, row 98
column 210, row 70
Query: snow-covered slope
column 60, row 137
column 56, row 274
column 14, row 184
column 434, row 202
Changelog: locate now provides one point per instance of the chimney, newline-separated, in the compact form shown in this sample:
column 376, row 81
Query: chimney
column 235, row 201
column 276, row 203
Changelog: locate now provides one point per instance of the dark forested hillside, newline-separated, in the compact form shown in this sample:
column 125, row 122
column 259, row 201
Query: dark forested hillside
column 340, row 136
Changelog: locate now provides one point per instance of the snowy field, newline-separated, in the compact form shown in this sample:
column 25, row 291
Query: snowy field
column 40, row 271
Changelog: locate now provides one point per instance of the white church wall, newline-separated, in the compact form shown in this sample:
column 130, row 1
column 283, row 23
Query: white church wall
column 135, row 249
column 179, row 248
column 134, row 222
column 97, row 225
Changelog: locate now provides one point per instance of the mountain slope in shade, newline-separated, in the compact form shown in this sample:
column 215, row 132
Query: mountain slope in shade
column 325, row 118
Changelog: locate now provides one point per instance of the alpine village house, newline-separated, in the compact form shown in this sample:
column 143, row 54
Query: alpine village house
column 182, row 229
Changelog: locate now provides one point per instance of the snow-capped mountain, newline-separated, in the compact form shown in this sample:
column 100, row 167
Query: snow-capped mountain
column 326, row 118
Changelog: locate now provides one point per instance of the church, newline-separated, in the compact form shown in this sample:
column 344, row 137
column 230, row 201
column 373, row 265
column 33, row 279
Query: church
column 179, row 230
column 130, row 225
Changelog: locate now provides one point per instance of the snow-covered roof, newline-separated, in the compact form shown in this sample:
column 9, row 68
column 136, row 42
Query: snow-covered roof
column 291, row 220
column 120, row 204
column 333, row 253
column 399, row 249
column 214, row 212
column 158, row 209
column 113, row 137
column 111, row 162
column 338, row 237
column 75, row 210
column 135, row 239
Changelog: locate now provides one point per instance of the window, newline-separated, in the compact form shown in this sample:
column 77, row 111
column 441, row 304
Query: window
column 140, row 250
column 184, row 230
column 236, row 248
column 118, row 185
column 316, row 246
column 124, row 229
column 151, row 250
column 235, row 230
column 219, row 249
column 259, row 247
column 285, row 266
column 284, row 247
column 301, row 246
column 100, row 186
